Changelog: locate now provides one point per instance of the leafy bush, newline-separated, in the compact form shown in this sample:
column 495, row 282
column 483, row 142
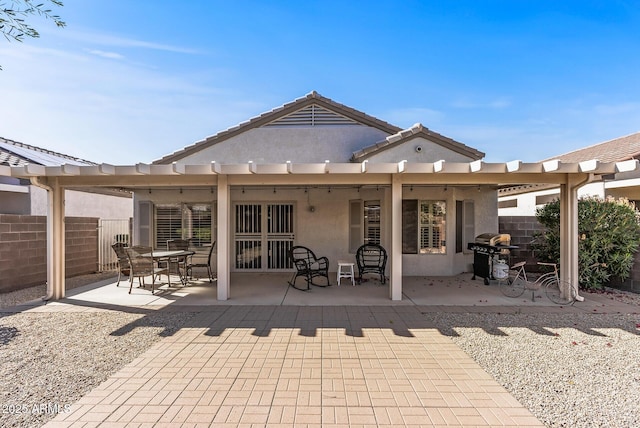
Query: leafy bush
column 609, row 235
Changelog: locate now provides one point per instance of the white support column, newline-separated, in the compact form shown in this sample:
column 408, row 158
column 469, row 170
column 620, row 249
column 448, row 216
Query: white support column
column 395, row 286
column 56, row 287
column 224, row 229
column 569, row 233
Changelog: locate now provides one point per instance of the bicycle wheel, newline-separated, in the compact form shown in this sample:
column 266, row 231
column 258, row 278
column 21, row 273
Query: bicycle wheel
column 560, row 292
column 513, row 286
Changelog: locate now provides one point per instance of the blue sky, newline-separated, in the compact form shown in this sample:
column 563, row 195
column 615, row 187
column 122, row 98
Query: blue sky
column 132, row 81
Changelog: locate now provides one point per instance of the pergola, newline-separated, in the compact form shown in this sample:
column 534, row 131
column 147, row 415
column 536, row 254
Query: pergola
column 55, row 179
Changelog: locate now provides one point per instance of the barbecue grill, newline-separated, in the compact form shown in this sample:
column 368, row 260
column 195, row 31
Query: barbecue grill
column 488, row 250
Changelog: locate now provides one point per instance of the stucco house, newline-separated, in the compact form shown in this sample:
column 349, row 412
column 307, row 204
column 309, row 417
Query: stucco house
column 518, row 204
column 524, row 200
column 318, row 173
column 20, row 196
column 331, row 217
column 93, row 216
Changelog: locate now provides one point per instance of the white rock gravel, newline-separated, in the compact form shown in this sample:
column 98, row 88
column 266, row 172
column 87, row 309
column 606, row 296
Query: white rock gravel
column 570, row 370
column 51, row 359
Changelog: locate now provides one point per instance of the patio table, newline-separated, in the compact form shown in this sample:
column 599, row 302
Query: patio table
column 168, row 255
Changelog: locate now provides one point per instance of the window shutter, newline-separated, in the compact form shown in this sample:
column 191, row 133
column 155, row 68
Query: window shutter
column 355, row 225
column 145, row 212
column 409, row 226
column 469, row 224
column 459, row 226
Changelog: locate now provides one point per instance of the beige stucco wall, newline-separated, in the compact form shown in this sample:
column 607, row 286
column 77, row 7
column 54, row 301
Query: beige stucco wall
column 326, row 229
column 277, row 145
column 452, row 263
column 84, row 204
column 418, row 150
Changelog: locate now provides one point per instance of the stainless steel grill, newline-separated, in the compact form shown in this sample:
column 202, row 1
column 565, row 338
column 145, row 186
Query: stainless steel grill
column 486, row 248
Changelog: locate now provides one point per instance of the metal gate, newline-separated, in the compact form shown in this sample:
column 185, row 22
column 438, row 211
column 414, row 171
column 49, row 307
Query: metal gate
column 263, row 232
column 111, row 231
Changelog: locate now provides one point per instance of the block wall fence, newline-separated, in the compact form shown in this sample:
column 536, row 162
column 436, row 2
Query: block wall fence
column 23, row 250
column 522, row 228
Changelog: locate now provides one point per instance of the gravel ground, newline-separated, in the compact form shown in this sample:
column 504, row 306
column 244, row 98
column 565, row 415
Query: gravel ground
column 18, row 297
column 570, row 370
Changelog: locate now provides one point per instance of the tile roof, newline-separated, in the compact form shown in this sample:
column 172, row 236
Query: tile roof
column 415, row 131
column 14, row 153
column 616, row 150
column 276, row 113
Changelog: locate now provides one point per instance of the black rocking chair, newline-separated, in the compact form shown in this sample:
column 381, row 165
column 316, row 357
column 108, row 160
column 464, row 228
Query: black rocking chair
column 371, row 258
column 308, row 266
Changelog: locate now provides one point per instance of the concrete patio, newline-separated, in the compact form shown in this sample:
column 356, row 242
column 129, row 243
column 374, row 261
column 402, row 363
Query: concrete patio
column 272, row 289
column 276, row 356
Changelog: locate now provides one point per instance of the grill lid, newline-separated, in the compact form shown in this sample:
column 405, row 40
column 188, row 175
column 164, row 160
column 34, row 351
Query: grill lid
column 494, row 239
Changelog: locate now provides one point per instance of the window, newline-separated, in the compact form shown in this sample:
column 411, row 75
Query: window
column 183, row 221
column 372, row 222
column 423, row 227
column 364, row 223
column 432, row 227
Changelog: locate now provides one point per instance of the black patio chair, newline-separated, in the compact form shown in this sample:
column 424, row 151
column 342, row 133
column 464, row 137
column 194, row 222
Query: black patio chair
column 308, row 266
column 371, row 258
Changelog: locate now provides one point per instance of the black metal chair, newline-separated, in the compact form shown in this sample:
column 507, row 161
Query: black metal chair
column 123, row 261
column 308, row 266
column 371, row 258
column 206, row 264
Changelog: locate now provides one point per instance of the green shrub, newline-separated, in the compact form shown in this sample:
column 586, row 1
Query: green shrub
column 608, row 237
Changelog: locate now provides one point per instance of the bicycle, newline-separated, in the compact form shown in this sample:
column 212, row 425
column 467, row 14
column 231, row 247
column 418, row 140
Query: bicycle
column 558, row 291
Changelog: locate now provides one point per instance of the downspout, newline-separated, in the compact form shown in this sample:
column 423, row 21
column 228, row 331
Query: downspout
column 36, row 182
column 589, row 179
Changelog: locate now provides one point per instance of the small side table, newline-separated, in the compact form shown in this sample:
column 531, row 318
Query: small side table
column 345, row 270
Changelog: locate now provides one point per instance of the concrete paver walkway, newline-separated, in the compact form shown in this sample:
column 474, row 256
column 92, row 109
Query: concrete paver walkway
column 333, row 357
column 288, row 366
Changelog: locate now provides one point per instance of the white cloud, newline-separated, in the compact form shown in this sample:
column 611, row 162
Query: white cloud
column 92, row 37
column 103, row 54
column 90, row 106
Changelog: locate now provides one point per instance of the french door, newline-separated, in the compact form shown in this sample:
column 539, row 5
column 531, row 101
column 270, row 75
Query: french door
column 263, row 236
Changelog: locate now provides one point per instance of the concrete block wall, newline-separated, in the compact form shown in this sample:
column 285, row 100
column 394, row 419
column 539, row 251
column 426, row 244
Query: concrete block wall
column 23, row 250
column 521, row 229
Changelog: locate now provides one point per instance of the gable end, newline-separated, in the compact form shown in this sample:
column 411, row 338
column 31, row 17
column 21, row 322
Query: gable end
column 313, row 115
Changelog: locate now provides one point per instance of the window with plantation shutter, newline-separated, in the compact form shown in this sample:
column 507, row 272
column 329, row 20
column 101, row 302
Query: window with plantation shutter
column 424, row 227
column 197, row 223
column 192, row 221
column 432, row 227
column 168, row 224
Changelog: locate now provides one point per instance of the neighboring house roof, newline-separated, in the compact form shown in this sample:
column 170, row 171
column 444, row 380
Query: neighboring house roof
column 409, row 134
column 311, row 109
column 13, row 153
column 616, row 150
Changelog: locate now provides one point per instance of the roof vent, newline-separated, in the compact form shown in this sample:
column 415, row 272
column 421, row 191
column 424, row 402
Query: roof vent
column 313, row 115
